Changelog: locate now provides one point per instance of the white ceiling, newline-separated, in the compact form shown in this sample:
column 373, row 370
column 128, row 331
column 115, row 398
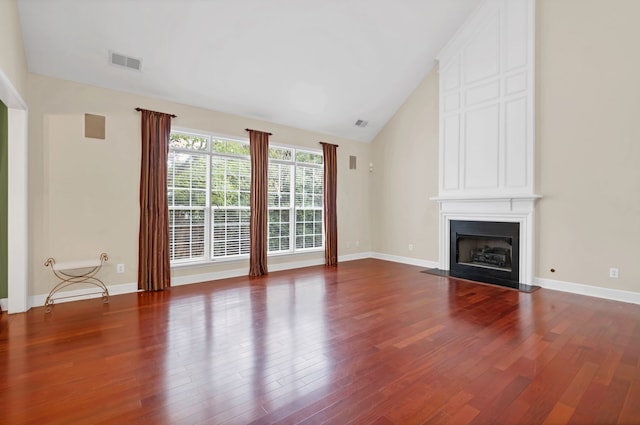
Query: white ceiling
column 316, row 65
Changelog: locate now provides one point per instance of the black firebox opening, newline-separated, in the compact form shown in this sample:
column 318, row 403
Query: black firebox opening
column 485, row 251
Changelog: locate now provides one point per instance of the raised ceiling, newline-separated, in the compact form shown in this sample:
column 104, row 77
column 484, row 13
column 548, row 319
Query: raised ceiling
column 315, row 65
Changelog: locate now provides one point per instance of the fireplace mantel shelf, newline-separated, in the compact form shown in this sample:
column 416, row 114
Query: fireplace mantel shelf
column 488, row 198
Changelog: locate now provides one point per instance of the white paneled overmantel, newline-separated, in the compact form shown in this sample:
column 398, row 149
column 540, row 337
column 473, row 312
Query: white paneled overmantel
column 486, row 102
column 486, row 158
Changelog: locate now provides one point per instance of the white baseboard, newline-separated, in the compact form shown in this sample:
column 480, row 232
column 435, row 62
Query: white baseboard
column 4, row 304
column 83, row 294
column 592, row 291
column 574, row 288
column 406, row 260
column 353, row 257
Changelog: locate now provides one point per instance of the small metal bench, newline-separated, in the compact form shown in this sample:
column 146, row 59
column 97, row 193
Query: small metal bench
column 86, row 272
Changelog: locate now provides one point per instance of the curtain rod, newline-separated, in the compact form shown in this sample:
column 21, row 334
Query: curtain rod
column 250, row 129
column 171, row 115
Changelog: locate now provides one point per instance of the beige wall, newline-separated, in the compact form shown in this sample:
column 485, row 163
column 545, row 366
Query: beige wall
column 588, row 141
column 587, row 150
column 13, row 61
column 84, row 192
column 405, row 175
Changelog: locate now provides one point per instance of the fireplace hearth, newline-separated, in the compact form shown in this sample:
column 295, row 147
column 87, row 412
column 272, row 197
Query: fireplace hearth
column 485, row 251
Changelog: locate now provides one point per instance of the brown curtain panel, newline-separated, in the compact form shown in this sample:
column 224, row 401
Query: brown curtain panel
column 259, row 146
column 330, row 211
column 154, row 273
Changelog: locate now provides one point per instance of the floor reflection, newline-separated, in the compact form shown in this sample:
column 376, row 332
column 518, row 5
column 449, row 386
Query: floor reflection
column 264, row 341
column 482, row 308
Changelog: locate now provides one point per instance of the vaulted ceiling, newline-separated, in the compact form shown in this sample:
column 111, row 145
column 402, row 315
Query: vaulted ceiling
column 315, row 65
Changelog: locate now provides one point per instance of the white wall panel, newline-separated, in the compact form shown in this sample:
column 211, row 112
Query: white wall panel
column 482, row 54
column 517, row 32
column 450, row 76
column 483, row 93
column 516, row 143
column 481, row 147
column 451, row 148
column 452, row 102
column 516, row 83
column 487, row 75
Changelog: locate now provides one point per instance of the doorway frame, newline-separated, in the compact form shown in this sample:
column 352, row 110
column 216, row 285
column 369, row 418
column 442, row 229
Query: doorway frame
column 18, row 197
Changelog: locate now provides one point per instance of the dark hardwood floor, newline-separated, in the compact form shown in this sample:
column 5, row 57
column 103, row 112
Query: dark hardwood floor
column 370, row 342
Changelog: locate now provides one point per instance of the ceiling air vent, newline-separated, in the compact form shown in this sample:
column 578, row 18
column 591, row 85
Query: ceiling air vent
column 125, row 61
column 362, row 123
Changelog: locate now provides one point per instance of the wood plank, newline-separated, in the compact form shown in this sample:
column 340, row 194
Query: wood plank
column 560, row 414
column 630, row 411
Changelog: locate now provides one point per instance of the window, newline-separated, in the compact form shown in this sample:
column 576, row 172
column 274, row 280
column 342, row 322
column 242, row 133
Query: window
column 208, row 186
column 187, row 191
column 298, row 218
column 309, row 200
column 230, row 192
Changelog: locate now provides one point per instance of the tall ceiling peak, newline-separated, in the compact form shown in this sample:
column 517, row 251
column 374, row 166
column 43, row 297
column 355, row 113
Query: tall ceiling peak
column 319, row 66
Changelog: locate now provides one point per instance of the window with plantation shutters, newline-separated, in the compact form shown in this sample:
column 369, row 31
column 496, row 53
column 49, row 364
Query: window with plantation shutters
column 295, row 200
column 230, row 198
column 209, row 183
column 187, row 189
column 309, row 200
column 280, row 199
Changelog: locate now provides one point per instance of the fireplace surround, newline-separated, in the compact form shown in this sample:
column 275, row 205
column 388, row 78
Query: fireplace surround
column 515, row 209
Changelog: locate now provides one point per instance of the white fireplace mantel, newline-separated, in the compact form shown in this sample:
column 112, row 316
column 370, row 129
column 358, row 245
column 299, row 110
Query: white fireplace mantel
column 512, row 209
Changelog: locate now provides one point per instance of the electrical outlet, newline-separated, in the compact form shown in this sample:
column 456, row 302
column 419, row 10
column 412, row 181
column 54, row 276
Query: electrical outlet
column 120, row 268
column 410, row 247
column 614, row 273
column 348, row 244
column 357, row 244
